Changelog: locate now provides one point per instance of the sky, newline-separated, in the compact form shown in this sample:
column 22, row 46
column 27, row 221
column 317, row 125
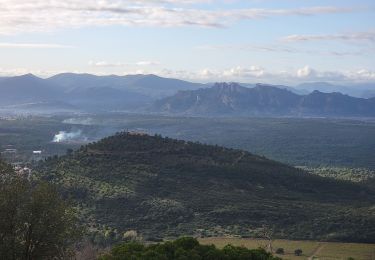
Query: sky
column 269, row 41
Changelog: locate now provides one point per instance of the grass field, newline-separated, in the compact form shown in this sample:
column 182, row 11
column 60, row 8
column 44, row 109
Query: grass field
column 311, row 249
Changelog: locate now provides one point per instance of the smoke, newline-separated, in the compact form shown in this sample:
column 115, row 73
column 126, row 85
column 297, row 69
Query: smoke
column 63, row 136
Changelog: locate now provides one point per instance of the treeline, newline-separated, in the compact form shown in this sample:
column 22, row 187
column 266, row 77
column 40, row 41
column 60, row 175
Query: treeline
column 184, row 249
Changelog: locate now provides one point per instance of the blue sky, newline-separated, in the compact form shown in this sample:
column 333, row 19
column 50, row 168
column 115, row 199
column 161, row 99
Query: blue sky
column 272, row 41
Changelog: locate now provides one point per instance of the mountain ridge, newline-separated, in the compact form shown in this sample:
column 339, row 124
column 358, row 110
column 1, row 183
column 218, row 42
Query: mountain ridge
column 136, row 93
column 263, row 100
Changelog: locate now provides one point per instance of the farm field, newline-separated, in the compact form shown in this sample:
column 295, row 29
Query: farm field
column 311, row 249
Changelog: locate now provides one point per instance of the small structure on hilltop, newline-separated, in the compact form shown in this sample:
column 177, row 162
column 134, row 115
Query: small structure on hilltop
column 37, row 155
column 137, row 133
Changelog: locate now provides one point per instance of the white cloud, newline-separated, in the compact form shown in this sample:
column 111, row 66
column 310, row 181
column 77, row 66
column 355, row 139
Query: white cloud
column 361, row 74
column 252, row 71
column 250, row 74
column 122, row 64
column 34, row 45
column 354, row 36
column 147, row 63
column 287, row 48
column 258, row 74
column 280, row 48
column 305, row 72
column 19, row 16
column 308, row 74
column 108, row 64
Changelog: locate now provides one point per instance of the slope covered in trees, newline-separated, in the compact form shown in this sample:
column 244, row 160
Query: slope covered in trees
column 165, row 187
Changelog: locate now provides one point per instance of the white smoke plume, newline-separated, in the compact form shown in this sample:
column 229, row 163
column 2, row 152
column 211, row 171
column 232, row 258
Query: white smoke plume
column 63, row 136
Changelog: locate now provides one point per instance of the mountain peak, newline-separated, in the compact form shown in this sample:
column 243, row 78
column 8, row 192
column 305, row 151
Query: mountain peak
column 231, row 86
column 316, row 92
column 27, row 76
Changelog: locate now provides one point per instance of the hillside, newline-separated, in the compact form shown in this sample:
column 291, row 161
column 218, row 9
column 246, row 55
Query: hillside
column 165, row 187
column 106, row 98
column 27, row 89
column 231, row 99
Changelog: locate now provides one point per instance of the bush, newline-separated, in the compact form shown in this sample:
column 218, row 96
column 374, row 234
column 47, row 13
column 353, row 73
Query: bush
column 280, row 251
column 298, row 252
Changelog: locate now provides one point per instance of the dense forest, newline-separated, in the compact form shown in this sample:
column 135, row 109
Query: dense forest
column 300, row 142
column 164, row 187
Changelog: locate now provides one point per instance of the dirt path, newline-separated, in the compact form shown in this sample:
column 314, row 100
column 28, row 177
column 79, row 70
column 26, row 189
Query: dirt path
column 316, row 251
column 239, row 158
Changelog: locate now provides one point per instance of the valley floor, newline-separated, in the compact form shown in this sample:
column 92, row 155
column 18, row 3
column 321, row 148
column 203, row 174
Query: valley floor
column 311, row 249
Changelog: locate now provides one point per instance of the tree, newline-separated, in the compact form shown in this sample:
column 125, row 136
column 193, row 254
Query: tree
column 298, row 252
column 35, row 223
column 267, row 233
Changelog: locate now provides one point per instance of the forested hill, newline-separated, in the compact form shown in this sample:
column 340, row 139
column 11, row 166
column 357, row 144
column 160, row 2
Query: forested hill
column 165, row 187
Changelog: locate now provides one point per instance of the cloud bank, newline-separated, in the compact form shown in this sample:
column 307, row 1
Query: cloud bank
column 249, row 74
column 20, row 16
column 357, row 36
column 34, row 45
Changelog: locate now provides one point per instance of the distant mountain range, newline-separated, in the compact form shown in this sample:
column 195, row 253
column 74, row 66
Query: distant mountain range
column 231, row 99
column 149, row 85
column 75, row 92
column 69, row 92
column 364, row 90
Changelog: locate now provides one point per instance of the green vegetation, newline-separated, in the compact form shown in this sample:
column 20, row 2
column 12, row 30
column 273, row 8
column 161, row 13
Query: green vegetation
column 298, row 252
column 27, row 134
column 309, row 142
column 304, row 141
column 348, row 174
column 35, row 223
column 163, row 187
column 310, row 249
column 184, row 249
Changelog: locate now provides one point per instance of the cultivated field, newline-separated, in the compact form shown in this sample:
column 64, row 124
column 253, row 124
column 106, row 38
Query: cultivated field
column 311, row 249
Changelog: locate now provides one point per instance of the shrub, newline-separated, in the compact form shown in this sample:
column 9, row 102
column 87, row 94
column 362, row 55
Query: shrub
column 298, row 252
